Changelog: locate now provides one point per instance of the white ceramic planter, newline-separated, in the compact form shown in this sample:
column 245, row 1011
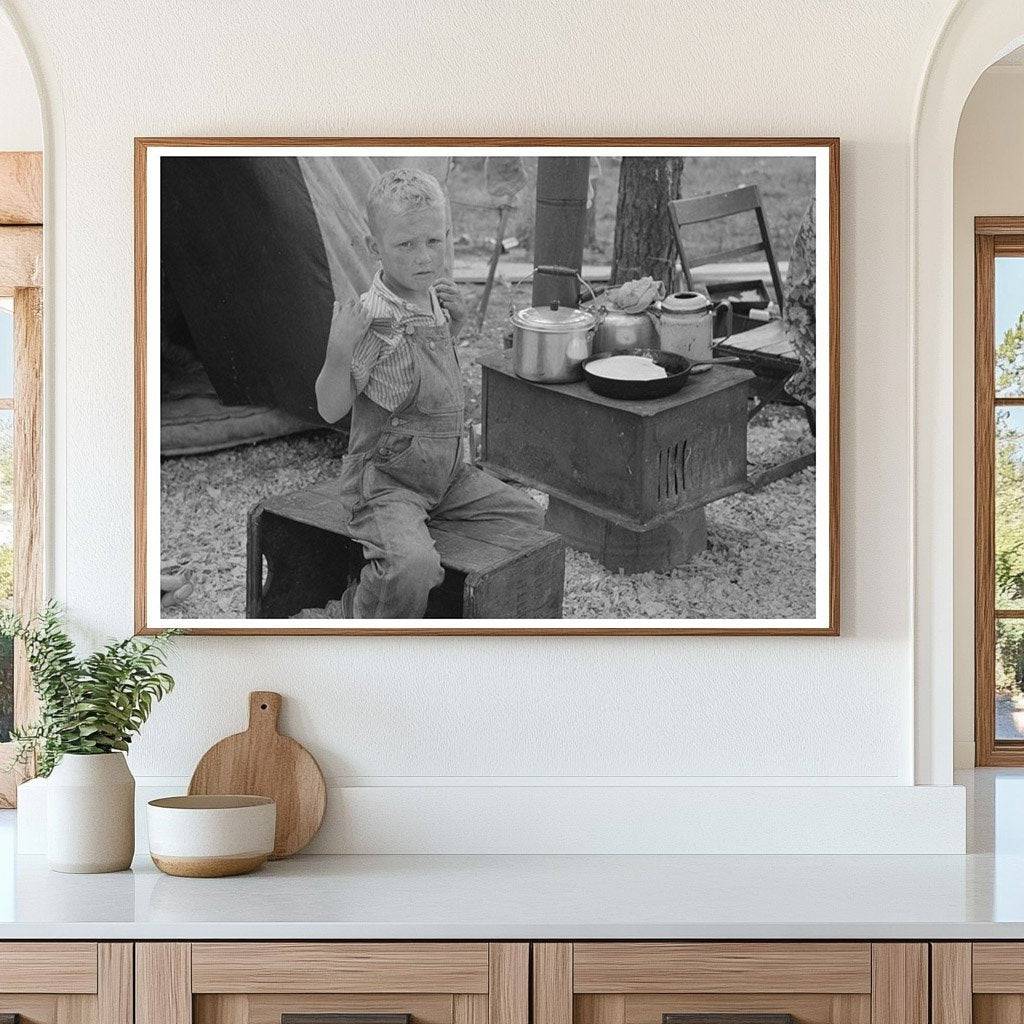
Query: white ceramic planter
column 90, row 814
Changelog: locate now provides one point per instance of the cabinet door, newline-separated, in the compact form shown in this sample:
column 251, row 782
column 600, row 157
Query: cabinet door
column 66, row 982
column 980, row 982
column 737, row 982
column 304, row 982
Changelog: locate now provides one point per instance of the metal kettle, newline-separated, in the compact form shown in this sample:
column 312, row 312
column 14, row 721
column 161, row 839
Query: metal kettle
column 619, row 331
column 549, row 343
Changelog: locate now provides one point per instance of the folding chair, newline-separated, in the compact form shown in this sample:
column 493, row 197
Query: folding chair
column 763, row 350
column 700, row 209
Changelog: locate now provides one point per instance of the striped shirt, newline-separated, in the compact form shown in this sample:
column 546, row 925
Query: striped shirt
column 382, row 363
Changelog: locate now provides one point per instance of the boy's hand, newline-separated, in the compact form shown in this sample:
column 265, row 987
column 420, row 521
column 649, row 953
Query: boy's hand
column 450, row 298
column 350, row 326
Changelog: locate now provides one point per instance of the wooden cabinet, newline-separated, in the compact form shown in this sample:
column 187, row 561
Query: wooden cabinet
column 66, row 982
column 980, row 982
column 260, row 982
column 494, row 983
column 645, row 982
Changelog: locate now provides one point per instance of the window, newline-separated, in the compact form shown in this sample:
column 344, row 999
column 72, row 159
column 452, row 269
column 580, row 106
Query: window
column 999, row 490
column 21, row 374
column 6, row 510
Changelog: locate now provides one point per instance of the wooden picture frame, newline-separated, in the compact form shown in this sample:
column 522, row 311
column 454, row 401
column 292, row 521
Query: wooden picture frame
column 825, row 620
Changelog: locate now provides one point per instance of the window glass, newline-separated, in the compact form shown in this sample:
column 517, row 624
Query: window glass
column 1009, row 327
column 6, row 348
column 1009, row 512
column 1009, row 679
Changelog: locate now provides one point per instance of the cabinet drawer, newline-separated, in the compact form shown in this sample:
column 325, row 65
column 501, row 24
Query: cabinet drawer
column 340, row 967
column 48, row 967
column 980, row 982
column 66, row 982
column 737, row 982
column 261, row 982
column 629, row 967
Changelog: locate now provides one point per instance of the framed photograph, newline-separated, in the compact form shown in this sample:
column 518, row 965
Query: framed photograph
column 487, row 386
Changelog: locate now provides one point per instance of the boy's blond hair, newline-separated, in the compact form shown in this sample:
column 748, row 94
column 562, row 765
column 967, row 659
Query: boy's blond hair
column 399, row 191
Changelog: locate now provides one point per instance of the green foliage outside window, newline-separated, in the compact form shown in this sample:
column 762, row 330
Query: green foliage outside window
column 1009, row 508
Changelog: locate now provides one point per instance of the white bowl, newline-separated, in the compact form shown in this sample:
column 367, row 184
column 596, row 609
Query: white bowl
column 211, row 836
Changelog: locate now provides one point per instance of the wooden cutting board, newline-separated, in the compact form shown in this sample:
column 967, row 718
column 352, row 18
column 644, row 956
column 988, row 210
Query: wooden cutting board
column 262, row 762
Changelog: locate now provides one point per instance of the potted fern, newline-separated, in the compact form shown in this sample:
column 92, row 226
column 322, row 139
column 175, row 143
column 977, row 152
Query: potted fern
column 89, row 709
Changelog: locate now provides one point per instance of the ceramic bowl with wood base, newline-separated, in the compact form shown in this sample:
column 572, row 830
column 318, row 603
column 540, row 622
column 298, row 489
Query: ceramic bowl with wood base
column 211, row 836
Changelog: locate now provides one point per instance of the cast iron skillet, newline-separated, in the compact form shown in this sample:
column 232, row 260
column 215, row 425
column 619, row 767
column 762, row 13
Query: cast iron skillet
column 678, row 369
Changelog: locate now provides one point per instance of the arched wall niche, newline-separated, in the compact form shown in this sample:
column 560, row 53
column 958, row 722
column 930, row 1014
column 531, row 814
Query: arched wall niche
column 976, row 33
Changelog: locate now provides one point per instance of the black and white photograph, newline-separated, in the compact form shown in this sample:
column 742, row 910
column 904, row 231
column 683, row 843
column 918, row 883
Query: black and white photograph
column 444, row 387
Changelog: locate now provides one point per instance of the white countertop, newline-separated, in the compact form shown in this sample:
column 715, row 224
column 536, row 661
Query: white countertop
column 532, row 897
column 977, row 896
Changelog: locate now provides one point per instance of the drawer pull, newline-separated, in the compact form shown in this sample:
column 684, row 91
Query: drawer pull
column 340, row 1018
column 728, row 1018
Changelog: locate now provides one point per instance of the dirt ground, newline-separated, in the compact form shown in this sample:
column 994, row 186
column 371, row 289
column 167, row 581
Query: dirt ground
column 759, row 561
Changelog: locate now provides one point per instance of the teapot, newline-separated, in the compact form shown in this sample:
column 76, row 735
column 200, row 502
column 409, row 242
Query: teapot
column 619, row 331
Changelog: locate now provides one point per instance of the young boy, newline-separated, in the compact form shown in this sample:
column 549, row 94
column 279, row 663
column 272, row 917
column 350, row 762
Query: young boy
column 391, row 358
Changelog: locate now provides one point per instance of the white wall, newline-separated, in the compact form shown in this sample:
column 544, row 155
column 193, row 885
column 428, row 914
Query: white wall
column 444, row 713
column 988, row 181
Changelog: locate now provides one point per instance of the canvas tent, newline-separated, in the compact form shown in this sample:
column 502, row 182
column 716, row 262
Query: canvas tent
column 254, row 251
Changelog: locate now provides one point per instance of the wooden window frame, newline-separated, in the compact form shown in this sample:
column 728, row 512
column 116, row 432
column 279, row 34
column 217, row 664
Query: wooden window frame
column 21, row 270
column 993, row 236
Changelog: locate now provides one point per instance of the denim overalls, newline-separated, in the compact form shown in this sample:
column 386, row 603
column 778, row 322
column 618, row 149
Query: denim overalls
column 404, row 470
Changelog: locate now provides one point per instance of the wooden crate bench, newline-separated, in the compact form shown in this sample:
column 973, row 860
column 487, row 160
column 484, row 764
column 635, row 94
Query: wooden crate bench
column 310, row 560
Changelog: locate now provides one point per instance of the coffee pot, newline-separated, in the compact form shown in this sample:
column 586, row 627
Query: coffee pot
column 686, row 324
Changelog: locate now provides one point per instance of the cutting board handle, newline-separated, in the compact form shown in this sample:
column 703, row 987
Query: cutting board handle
column 264, row 710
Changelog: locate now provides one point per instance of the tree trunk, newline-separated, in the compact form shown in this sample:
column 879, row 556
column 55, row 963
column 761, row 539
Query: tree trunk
column 644, row 243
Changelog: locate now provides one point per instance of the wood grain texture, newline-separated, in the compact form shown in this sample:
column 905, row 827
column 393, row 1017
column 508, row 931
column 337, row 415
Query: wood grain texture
column 21, row 188
column 163, row 983
column 508, row 988
column 467, row 1008
column 722, row 967
column 552, row 983
column 31, row 1009
column 899, row 988
column 208, row 867
column 831, row 144
column 600, row 1009
column 997, row 967
column 851, row 1009
column 28, row 483
column 269, row 1008
column 224, row 1009
column 998, row 226
column 76, row 1009
column 48, row 967
column 28, row 501
column 951, row 983
column 115, row 983
column 339, row 967
column 984, row 502
column 998, row 1009
column 21, row 258
column 262, row 762
column 806, row 1008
